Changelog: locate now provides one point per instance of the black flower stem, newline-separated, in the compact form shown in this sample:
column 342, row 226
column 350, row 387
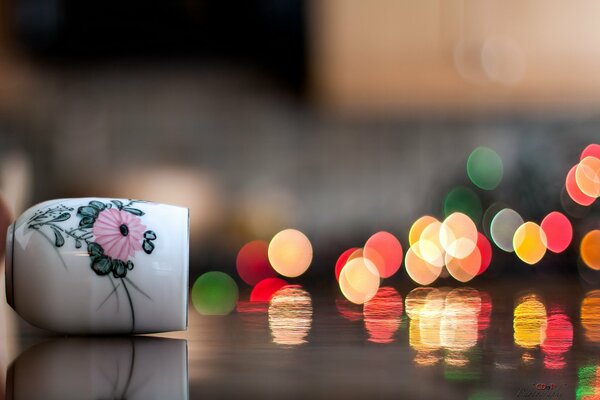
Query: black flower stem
column 68, row 233
column 130, row 305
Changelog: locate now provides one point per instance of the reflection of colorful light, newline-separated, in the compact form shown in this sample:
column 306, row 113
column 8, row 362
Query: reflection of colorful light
column 458, row 235
column 530, row 321
column 485, row 313
column 503, row 228
column 290, row 315
column 530, row 243
column 587, row 176
column 443, row 319
column 589, row 249
column 463, row 200
column 249, row 307
column 588, row 383
column 264, row 290
column 574, row 191
column 342, row 260
column 352, row 312
column 590, row 316
column 484, row 168
column 382, row 315
column 214, row 293
column 252, row 262
column 385, row 251
column 290, row 253
column 359, row 280
column 558, row 340
column 485, row 250
column 415, row 300
column 558, row 230
column 459, row 320
column 417, row 228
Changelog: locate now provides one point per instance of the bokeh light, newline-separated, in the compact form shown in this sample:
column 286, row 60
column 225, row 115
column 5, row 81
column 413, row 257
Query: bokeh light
column 290, row 253
column 530, row 322
column 587, row 176
column 589, row 249
column 458, row 235
column 485, row 251
column 290, row 315
column 558, row 230
column 383, row 315
column 592, row 150
column 252, row 262
column 464, row 269
column 484, row 168
column 429, row 248
column 264, row 290
column 570, row 207
column 418, row 227
column 590, row 316
column 464, row 200
column 574, row 191
column 488, row 216
column 530, row 243
column 385, row 251
column 419, row 270
column 504, row 225
column 342, row 260
column 359, row 280
column 214, row 293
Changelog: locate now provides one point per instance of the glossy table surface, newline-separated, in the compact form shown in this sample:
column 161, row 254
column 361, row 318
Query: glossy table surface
column 495, row 341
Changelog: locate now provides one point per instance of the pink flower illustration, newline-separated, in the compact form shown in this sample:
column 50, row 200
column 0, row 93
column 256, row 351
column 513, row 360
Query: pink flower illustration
column 119, row 233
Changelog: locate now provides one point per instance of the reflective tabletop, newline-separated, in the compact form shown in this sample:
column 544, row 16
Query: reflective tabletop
column 494, row 341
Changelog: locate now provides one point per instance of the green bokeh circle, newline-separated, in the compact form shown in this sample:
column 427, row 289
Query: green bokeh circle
column 485, row 168
column 214, row 293
column 464, row 200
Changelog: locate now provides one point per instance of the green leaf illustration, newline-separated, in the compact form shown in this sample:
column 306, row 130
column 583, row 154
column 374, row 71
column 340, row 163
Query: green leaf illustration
column 149, row 235
column 61, row 217
column 119, row 269
column 129, row 265
column 77, row 243
column 97, row 205
column 95, row 249
column 148, row 246
column 86, row 222
column 59, row 240
column 101, row 265
column 134, row 211
column 117, row 203
column 87, row 211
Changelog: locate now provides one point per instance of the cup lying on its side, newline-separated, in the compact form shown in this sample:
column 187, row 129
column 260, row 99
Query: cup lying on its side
column 100, row 266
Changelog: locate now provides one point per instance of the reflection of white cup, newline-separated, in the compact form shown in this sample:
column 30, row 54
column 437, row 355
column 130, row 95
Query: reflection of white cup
column 101, row 368
column 95, row 265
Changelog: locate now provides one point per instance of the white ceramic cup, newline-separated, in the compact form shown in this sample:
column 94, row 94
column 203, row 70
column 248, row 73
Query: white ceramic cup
column 100, row 266
column 101, row 368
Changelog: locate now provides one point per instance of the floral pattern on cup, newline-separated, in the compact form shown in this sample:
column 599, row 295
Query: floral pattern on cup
column 113, row 233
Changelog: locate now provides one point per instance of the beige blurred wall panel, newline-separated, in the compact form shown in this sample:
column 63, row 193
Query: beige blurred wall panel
column 385, row 55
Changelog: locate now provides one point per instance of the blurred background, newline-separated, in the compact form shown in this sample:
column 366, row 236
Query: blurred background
column 339, row 118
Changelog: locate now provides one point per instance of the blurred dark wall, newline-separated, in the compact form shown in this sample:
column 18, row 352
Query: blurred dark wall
column 269, row 35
